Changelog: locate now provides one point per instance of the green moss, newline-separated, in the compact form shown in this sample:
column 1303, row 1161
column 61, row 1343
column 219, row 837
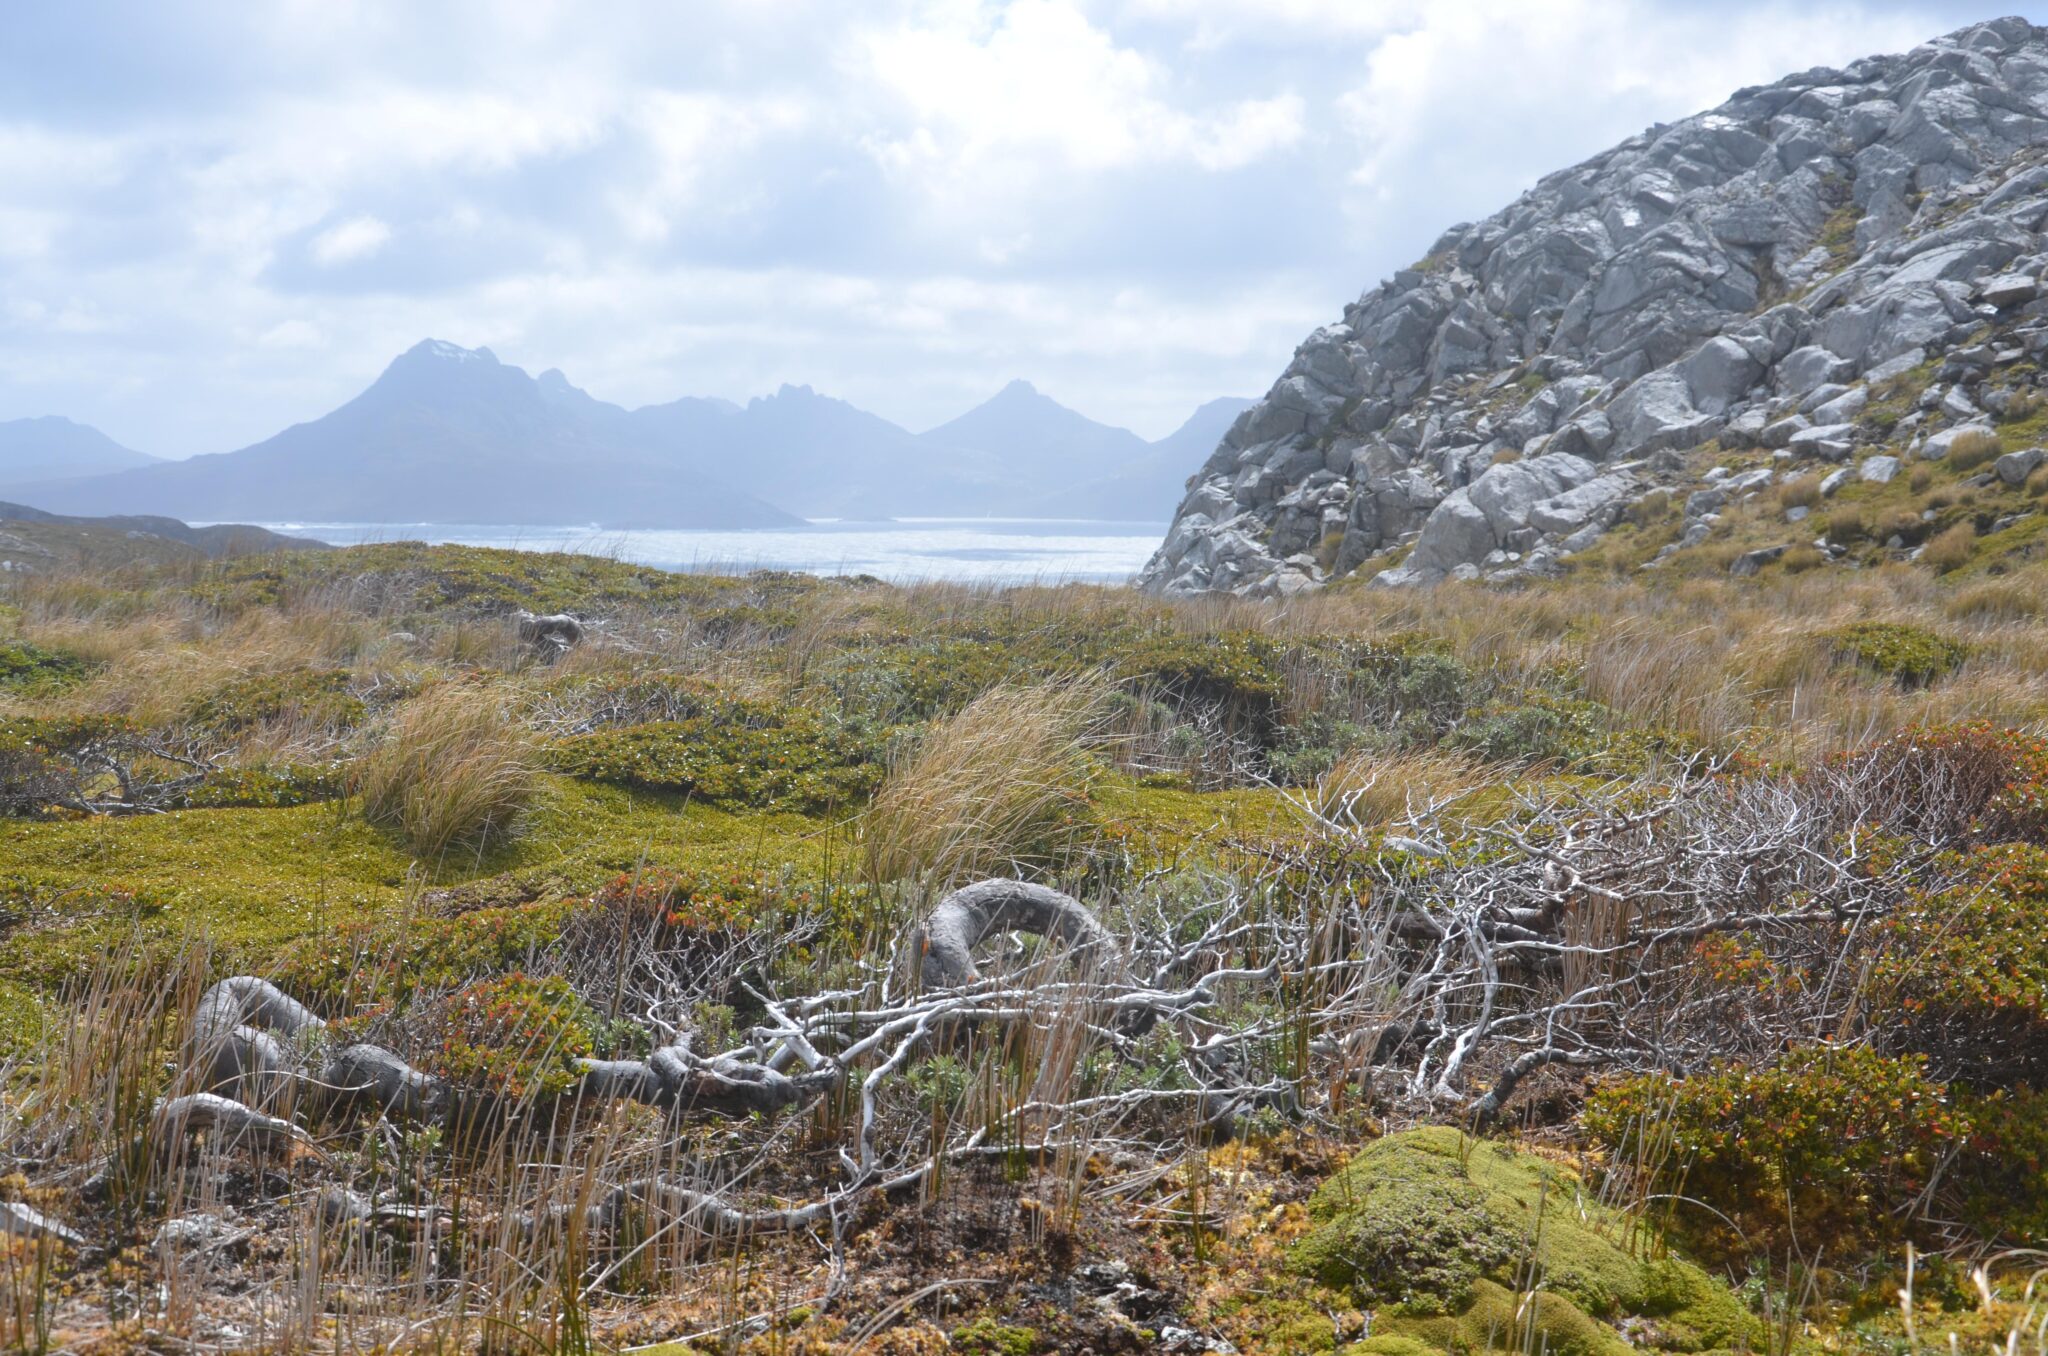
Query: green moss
column 252, row 882
column 1433, row 1225
column 790, row 757
column 1495, row 1320
column 986, row 1337
column 1389, row 1344
column 1912, row 655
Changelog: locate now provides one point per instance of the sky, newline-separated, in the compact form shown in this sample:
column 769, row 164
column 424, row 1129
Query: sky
column 220, row 219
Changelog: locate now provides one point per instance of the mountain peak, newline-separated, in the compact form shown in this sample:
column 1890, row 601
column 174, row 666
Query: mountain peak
column 440, row 350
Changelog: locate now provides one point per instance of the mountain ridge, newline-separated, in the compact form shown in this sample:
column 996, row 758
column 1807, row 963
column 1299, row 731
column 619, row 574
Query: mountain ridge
column 451, row 434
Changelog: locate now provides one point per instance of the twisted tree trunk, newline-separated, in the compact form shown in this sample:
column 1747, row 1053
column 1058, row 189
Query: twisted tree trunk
column 965, row 918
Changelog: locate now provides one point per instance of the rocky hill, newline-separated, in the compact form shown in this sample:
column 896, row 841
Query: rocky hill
column 1816, row 285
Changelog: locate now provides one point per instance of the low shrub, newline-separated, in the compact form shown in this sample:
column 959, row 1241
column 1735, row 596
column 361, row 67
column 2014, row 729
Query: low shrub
column 454, row 771
column 1966, row 970
column 266, row 787
column 513, row 1038
column 1911, row 655
column 49, row 761
column 314, row 697
column 1948, row 783
column 757, row 755
column 29, row 669
column 1828, row 1143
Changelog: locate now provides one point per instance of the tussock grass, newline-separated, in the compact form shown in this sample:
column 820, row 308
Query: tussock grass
column 1972, row 449
column 1952, row 548
column 1003, row 781
column 1373, row 790
column 454, row 772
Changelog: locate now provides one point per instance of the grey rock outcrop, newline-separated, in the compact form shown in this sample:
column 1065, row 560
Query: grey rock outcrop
column 1751, row 274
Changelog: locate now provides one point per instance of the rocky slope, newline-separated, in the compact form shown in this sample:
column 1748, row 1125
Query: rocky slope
column 1843, row 267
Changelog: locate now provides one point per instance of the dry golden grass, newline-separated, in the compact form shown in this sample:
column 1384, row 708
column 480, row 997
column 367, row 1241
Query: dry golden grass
column 1004, row 780
column 1373, row 790
column 2004, row 599
column 1951, row 549
column 453, row 772
column 1973, row 449
column 1802, row 492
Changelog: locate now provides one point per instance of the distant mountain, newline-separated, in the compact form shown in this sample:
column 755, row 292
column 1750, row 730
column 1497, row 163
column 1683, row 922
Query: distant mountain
column 446, row 434
column 820, row 456
column 1147, row 487
column 452, row 435
column 54, row 448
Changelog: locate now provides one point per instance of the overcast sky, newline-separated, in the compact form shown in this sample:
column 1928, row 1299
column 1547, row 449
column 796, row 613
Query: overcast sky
column 216, row 220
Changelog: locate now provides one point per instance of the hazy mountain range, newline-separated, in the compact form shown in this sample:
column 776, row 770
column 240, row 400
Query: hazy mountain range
column 449, row 434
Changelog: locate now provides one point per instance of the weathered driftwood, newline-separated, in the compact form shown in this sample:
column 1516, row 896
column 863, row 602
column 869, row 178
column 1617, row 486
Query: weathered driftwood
column 965, row 918
column 676, row 1080
column 253, row 1040
column 23, row 1221
column 558, row 632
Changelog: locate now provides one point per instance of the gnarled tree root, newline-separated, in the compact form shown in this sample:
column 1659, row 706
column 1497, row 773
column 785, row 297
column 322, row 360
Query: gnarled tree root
column 963, row 919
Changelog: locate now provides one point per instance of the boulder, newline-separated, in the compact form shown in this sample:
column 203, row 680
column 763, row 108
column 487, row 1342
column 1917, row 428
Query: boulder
column 2014, row 467
column 1805, row 368
column 1719, row 373
column 1878, row 470
column 1654, row 412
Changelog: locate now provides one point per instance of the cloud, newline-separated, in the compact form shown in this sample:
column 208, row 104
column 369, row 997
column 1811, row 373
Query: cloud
column 218, row 220
column 347, row 241
column 1038, row 80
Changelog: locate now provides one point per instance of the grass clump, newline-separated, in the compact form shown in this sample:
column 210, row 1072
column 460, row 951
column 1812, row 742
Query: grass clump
column 1004, row 781
column 1800, row 492
column 454, row 771
column 1972, row 448
column 1951, row 548
column 1371, row 790
column 1913, row 656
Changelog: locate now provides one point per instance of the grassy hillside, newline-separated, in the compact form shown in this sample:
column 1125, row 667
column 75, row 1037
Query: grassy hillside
column 1648, row 959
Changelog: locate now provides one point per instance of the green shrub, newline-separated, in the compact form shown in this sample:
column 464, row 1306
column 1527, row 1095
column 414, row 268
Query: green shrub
column 28, row 669
column 1912, row 655
column 513, row 1037
column 1966, row 970
column 316, row 697
column 266, row 787
column 47, row 761
column 1828, row 1143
